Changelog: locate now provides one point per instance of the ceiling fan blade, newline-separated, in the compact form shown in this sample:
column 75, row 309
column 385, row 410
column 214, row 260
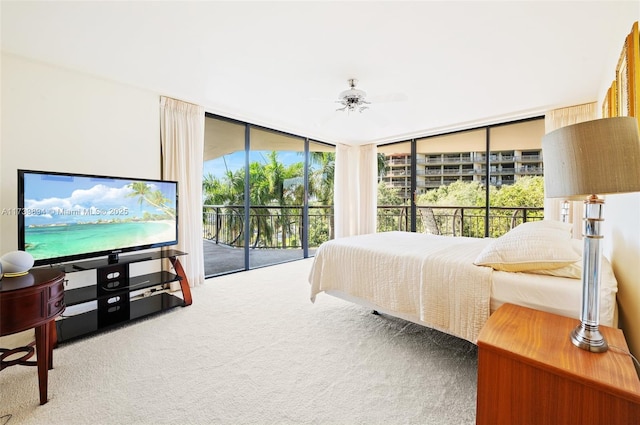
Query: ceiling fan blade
column 391, row 97
column 321, row 99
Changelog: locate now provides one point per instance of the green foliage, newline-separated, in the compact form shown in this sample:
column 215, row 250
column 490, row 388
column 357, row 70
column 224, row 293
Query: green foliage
column 321, row 188
column 382, row 166
column 525, row 192
column 388, row 195
column 318, row 232
column 226, row 191
column 458, row 193
column 321, row 176
column 390, row 218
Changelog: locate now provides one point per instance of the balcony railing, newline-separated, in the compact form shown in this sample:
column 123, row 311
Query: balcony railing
column 269, row 226
column 456, row 220
column 449, row 159
column 281, row 227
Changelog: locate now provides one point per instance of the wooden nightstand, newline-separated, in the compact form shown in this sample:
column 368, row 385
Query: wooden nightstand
column 32, row 300
column 529, row 372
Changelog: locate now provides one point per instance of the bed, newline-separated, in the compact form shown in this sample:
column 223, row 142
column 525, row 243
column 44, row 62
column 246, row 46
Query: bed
column 453, row 284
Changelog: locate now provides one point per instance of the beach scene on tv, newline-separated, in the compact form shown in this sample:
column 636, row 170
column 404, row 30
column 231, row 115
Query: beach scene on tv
column 74, row 215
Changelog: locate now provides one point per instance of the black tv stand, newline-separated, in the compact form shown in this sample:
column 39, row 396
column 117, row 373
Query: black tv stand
column 111, row 293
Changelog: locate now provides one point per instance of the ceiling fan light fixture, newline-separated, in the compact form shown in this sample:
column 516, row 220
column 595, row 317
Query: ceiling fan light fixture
column 353, row 99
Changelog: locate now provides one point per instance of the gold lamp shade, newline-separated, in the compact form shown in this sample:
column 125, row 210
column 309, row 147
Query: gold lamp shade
column 593, row 157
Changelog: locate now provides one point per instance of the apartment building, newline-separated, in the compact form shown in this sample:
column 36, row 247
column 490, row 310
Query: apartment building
column 436, row 169
column 515, row 152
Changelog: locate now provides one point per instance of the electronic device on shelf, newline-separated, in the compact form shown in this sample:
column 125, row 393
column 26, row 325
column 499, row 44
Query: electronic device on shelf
column 66, row 217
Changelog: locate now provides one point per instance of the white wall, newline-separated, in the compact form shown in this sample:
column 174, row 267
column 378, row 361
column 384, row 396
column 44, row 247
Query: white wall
column 54, row 119
column 622, row 245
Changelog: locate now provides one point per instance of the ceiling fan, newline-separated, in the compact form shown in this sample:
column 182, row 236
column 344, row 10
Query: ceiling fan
column 353, row 99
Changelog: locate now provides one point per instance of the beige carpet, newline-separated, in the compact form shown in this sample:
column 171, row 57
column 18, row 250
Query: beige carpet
column 252, row 349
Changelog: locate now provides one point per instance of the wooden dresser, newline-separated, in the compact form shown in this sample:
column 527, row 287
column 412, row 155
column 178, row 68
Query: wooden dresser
column 529, row 372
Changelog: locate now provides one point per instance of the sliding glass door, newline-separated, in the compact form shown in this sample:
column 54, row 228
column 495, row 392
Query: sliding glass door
column 268, row 196
column 396, row 187
column 515, row 163
column 276, row 197
column 321, row 168
column 224, row 196
column 453, row 199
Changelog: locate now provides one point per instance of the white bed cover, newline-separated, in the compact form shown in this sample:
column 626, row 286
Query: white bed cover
column 427, row 277
column 432, row 280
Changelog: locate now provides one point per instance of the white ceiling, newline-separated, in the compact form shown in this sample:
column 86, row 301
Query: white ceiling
column 282, row 64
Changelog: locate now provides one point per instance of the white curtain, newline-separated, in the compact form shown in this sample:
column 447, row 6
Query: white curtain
column 355, row 190
column 552, row 121
column 182, row 144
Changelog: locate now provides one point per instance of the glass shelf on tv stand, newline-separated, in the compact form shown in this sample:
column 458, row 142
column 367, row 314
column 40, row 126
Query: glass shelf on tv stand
column 123, row 259
column 103, row 312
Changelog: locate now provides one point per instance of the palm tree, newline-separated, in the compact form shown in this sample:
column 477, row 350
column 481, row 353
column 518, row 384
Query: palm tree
column 229, row 192
column 278, row 175
column 157, row 198
column 275, row 174
column 382, row 166
column 154, row 198
column 321, row 182
column 140, row 189
column 260, row 194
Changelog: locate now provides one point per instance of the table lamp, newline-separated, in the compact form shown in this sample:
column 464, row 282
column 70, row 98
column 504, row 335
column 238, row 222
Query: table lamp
column 588, row 159
column 15, row 263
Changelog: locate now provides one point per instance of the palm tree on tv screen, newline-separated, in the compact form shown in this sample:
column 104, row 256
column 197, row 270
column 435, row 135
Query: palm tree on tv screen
column 155, row 198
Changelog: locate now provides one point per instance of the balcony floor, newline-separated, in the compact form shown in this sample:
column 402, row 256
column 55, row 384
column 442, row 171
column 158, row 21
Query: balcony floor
column 221, row 259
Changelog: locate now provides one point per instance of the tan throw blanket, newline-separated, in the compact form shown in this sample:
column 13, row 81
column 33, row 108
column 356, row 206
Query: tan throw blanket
column 431, row 279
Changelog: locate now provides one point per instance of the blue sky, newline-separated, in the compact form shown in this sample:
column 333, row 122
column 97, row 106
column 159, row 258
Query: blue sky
column 235, row 161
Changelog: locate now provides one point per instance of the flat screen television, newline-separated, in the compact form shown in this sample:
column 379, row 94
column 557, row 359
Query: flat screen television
column 66, row 217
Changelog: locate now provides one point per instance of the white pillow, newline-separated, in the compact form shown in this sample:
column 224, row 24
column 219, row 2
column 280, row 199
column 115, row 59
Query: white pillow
column 535, row 245
column 573, row 270
column 550, row 225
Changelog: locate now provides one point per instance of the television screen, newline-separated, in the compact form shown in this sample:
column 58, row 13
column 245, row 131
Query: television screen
column 66, row 217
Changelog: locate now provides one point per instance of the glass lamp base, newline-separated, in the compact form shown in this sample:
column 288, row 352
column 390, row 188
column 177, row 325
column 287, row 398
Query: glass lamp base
column 589, row 338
